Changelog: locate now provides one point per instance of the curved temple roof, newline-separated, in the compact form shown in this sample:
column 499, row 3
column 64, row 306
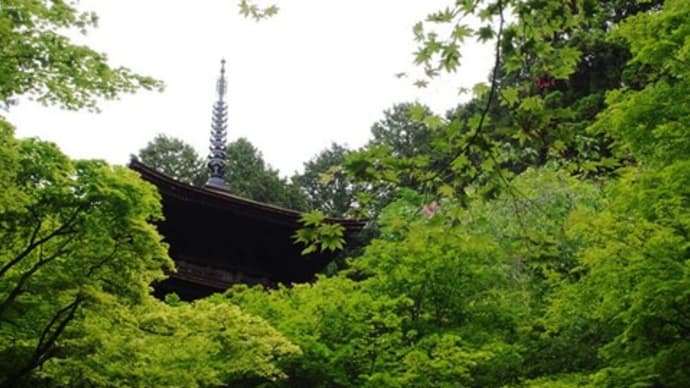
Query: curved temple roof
column 218, row 197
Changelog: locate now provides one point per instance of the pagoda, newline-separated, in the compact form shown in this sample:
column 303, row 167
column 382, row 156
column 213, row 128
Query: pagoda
column 218, row 239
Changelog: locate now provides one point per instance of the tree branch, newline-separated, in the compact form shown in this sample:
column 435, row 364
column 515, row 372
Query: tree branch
column 105, row 259
column 46, row 341
column 25, row 277
column 62, row 230
column 494, row 78
column 492, row 91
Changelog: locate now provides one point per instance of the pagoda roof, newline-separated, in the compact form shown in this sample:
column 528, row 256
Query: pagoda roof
column 225, row 200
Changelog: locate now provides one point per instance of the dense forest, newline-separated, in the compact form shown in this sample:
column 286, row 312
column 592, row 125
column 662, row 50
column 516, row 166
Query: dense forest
column 537, row 235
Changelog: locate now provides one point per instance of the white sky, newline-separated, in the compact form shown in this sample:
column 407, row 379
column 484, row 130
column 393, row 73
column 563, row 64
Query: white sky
column 318, row 72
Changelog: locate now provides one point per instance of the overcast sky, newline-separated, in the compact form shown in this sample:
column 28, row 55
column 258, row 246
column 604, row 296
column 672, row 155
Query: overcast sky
column 318, row 72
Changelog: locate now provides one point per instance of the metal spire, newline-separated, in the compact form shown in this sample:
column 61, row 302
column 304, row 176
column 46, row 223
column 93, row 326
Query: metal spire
column 219, row 124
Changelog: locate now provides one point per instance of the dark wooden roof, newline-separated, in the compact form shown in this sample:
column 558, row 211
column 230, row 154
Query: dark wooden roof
column 218, row 239
column 211, row 196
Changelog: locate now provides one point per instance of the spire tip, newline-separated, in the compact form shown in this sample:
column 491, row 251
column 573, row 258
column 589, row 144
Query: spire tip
column 221, row 85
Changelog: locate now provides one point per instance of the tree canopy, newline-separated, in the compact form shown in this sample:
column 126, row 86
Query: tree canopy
column 78, row 257
column 547, row 243
column 247, row 174
column 535, row 236
column 325, row 183
column 176, row 159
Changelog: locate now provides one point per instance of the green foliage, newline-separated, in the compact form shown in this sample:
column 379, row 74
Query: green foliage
column 554, row 62
column 76, row 264
column 456, row 286
column 251, row 9
column 532, row 277
column 403, row 130
column 174, row 158
column 326, row 184
column 536, row 236
column 318, row 234
column 636, row 263
column 346, row 334
column 248, row 175
column 77, row 236
column 38, row 60
column 397, row 156
column 552, row 280
column 206, row 343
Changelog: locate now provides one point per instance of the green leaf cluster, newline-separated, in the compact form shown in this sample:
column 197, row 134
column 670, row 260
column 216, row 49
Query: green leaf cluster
column 319, row 234
column 38, row 60
column 256, row 11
